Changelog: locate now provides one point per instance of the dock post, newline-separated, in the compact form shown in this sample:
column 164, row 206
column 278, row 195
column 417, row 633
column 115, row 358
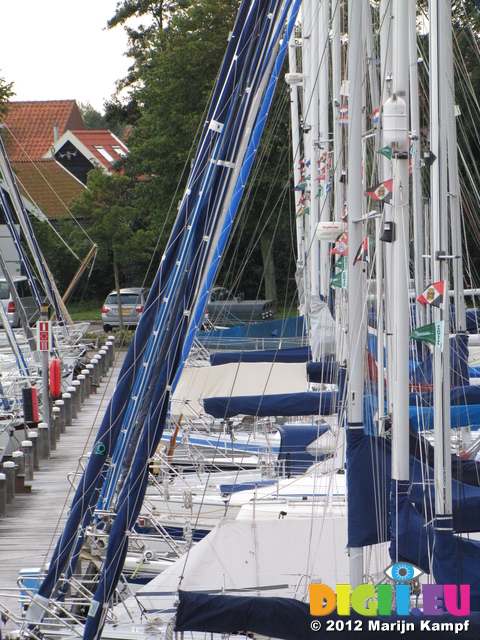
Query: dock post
column 89, row 368
column 104, row 361
column 72, row 391
column 27, row 449
column 43, row 441
column 81, row 378
column 61, row 405
column 3, row 494
column 9, row 470
column 67, row 398
column 55, row 432
column 33, row 437
column 86, row 375
column 78, row 395
column 95, row 373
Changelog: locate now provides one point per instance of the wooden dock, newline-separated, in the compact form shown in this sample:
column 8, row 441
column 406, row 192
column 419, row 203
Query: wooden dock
column 35, row 520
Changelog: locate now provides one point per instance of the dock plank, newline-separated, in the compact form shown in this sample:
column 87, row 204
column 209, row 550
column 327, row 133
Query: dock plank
column 34, row 521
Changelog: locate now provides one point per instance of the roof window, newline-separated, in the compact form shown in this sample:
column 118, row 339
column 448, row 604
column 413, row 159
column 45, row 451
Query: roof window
column 104, row 153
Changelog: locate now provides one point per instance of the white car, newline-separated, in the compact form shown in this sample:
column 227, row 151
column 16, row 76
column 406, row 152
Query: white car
column 27, row 299
column 132, row 302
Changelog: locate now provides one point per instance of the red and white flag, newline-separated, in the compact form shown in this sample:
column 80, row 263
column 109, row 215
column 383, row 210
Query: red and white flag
column 433, row 294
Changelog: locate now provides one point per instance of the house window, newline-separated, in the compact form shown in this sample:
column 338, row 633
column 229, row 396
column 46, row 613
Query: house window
column 118, row 150
column 104, row 153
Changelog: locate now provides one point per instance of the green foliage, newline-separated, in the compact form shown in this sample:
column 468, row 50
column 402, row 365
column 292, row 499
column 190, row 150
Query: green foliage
column 116, row 227
column 95, row 120
column 6, row 94
column 176, row 59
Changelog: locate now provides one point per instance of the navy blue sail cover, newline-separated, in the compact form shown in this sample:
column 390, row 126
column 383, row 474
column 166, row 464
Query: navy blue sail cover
column 277, row 404
column 293, row 354
column 369, row 481
column 289, row 619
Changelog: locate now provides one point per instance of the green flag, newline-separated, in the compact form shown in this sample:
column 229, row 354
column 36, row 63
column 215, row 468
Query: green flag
column 341, row 263
column 386, row 151
column 432, row 333
column 340, row 280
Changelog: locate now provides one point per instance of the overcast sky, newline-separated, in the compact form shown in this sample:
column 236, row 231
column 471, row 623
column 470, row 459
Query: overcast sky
column 58, row 49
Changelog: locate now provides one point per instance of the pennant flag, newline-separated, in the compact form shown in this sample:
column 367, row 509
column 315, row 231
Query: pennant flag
column 340, row 280
column 341, row 245
column 303, row 211
column 386, row 151
column 382, row 191
column 321, row 192
column 341, row 263
column 344, row 117
column 375, row 117
column 433, row 295
column 432, row 333
column 363, row 252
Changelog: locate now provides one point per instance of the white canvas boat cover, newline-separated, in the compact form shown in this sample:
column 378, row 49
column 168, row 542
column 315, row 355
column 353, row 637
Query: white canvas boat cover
column 234, row 379
column 278, row 557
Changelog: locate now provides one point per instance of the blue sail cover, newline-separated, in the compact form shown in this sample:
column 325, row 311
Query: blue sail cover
column 369, row 481
column 294, row 354
column 294, row 440
column 287, row 333
column 289, row 619
column 467, row 415
column 457, row 561
column 277, row 404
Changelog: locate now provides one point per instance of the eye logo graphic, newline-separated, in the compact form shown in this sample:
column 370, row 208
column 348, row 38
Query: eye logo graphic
column 401, row 572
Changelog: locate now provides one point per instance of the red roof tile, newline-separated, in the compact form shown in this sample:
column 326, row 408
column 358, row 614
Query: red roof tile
column 103, row 145
column 29, row 130
column 47, row 184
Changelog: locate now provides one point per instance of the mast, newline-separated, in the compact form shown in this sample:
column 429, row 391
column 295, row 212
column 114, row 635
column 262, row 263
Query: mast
column 356, row 277
column 323, row 146
column 439, row 22
column 395, row 121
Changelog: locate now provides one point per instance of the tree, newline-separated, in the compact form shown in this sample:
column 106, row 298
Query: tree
column 6, row 94
column 115, row 226
column 176, row 59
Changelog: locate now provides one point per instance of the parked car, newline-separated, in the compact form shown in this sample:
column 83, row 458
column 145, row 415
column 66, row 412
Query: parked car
column 132, row 301
column 226, row 310
column 27, row 299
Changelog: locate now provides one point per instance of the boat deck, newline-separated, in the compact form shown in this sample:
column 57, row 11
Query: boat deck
column 34, row 520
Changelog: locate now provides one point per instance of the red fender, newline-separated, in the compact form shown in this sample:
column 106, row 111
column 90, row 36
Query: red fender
column 55, row 379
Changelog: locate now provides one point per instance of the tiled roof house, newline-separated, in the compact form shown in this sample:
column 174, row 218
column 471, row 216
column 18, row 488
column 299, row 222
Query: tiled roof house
column 51, row 152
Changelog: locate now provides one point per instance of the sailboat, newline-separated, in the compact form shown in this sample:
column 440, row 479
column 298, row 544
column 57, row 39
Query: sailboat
column 263, row 586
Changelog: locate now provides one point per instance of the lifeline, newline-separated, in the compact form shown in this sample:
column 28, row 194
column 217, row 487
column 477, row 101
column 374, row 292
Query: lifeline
column 425, row 625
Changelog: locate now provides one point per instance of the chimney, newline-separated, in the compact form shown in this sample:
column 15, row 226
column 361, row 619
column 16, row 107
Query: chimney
column 55, row 132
